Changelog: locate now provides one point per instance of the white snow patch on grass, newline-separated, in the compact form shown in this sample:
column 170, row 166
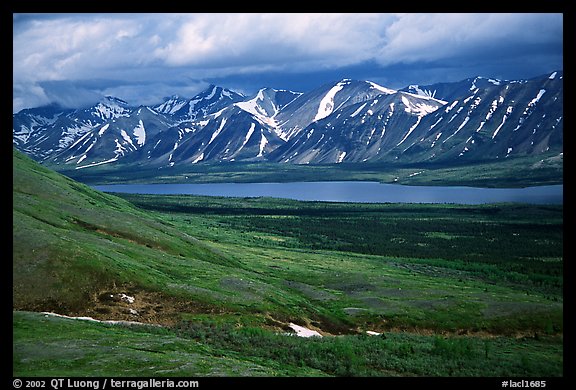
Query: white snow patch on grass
column 304, row 332
column 127, row 298
column 111, row 322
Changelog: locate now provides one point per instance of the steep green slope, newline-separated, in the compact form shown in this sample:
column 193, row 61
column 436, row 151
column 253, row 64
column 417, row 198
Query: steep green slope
column 71, row 244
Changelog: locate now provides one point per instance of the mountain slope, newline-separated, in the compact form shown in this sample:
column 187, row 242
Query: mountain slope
column 50, row 346
column 48, row 131
column 451, row 91
column 500, row 119
column 230, row 135
column 321, row 102
column 358, row 132
column 117, row 138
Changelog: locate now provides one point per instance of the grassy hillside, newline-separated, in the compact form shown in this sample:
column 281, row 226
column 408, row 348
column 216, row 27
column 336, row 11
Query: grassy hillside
column 57, row 347
column 226, row 277
column 71, row 244
column 53, row 347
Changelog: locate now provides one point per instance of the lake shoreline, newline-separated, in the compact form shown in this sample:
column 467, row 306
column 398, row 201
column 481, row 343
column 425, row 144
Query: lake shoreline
column 352, row 192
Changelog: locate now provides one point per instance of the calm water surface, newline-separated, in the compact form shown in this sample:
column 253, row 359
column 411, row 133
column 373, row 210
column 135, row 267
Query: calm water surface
column 353, row 191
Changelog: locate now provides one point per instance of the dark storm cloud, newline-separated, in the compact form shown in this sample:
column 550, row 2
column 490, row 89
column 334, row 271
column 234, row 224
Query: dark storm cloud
column 144, row 57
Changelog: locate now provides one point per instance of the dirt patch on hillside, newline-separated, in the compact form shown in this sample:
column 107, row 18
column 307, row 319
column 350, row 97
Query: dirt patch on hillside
column 129, row 303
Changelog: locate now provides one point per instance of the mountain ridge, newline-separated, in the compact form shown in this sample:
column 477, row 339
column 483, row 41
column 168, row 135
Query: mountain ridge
column 343, row 121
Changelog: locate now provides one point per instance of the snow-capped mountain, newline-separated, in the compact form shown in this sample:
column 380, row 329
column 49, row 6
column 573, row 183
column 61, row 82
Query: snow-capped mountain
column 51, row 130
column 344, row 121
column 360, row 131
column 231, row 134
column 267, row 104
column 497, row 119
column 454, row 90
column 117, row 138
column 209, row 101
column 323, row 101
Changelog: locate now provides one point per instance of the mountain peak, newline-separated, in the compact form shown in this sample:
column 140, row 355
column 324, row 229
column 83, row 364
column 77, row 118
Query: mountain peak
column 378, row 87
column 175, row 97
column 114, row 99
column 218, row 92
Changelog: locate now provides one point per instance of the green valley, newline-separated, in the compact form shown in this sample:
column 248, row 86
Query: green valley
column 210, row 286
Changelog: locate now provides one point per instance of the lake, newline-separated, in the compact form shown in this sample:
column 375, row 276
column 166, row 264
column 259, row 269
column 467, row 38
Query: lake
column 353, row 191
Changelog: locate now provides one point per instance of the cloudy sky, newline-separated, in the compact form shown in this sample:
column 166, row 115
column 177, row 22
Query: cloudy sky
column 74, row 59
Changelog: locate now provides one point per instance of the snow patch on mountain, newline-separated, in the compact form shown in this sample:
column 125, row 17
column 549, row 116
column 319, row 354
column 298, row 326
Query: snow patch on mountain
column 508, row 112
column 263, row 143
column 248, row 135
column 253, row 107
column 417, row 108
column 410, row 130
column 140, row 133
column 451, row 106
column 537, row 98
column 120, row 149
column 70, row 134
column 421, row 92
column 111, row 108
column 199, row 158
column 172, row 105
column 103, row 129
column 127, row 138
column 98, row 163
column 217, row 132
column 387, row 91
column 358, row 110
column 327, row 103
column 212, row 93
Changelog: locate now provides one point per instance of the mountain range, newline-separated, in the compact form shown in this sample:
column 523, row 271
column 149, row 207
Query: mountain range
column 345, row 121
